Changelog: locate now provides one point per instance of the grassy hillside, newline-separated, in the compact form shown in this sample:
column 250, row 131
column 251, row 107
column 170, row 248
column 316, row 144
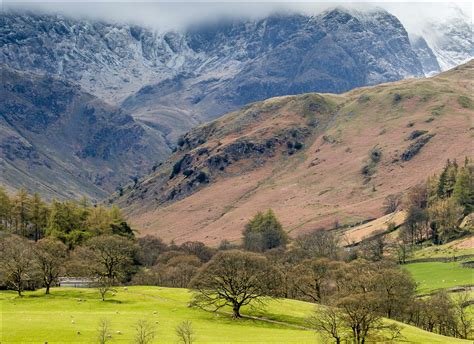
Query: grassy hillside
column 456, row 248
column 438, row 275
column 72, row 315
column 314, row 158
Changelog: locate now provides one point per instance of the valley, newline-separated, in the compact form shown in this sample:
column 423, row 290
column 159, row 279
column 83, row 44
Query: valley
column 218, row 173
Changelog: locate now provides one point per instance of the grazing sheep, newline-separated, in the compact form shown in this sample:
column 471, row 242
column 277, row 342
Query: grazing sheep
column 119, row 332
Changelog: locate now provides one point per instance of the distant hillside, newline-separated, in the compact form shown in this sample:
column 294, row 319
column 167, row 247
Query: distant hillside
column 61, row 141
column 316, row 159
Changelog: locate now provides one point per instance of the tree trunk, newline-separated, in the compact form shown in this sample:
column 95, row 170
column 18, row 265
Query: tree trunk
column 236, row 310
column 47, row 289
column 19, row 292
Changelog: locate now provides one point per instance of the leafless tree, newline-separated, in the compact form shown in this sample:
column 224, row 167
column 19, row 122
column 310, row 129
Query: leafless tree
column 319, row 243
column 312, row 279
column 185, row 332
column 464, row 317
column 329, row 322
column 234, row 278
column 104, row 286
column 104, row 334
column 17, row 264
column 145, row 332
column 50, row 256
column 392, row 203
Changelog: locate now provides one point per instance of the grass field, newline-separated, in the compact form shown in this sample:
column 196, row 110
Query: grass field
column 448, row 250
column 437, row 275
column 72, row 316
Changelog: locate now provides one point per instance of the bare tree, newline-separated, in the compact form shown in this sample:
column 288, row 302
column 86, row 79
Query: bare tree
column 150, row 247
column 50, row 255
column 104, row 286
column 234, row 278
column 110, row 256
column 464, row 317
column 185, row 332
column 329, row 322
column 319, row 243
column 104, row 334
column 145, row 332
column 17, row 262
column 106, row 259
column 312, row 279
column 373, row 248
column 359, row 298
column 392, row 203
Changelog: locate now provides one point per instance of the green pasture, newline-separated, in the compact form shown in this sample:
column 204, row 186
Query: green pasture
column 72, row 316
column 438, row 275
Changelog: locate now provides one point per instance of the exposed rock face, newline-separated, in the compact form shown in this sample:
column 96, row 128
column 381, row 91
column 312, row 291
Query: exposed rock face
column 249, row 61
column 425, row 55
column 58, row 139
column 108, row 60
column 450, row 40
column 172, row 81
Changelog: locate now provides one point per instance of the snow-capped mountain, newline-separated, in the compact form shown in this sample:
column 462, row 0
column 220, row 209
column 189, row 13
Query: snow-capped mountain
column 246, row 61
column 109, row 60
column 450, row 40
column 171, row 81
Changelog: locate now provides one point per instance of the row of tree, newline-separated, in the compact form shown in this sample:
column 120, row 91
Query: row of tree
column 79, row 239
column 71, row 222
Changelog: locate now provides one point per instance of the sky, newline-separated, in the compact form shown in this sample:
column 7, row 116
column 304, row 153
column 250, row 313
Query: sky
column 176, row 15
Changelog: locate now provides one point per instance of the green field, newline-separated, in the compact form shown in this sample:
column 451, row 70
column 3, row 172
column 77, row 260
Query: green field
column 437, row 275
column 72, row 315
column 448, row 250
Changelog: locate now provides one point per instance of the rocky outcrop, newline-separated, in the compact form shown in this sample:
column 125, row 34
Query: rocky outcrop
column 235, row 144
column 66, row 140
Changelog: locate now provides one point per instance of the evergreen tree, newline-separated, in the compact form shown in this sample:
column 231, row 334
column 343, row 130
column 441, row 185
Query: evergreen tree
column 264, row 232
column 38, row 216
column 21, row 212
column 463, row 191
column 5, row 209
column 66, row 223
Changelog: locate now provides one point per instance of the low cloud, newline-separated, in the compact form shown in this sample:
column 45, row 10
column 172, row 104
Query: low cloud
column 176, row 15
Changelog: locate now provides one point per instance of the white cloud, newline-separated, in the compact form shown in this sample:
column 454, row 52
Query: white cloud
column 174, row 15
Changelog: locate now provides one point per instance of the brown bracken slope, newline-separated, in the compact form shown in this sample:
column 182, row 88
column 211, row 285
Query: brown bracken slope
column 315, row 159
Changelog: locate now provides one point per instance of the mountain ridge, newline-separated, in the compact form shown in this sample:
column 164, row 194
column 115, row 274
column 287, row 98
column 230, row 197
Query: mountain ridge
column 316, row 159
column 63, row 142
column 172, row 81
